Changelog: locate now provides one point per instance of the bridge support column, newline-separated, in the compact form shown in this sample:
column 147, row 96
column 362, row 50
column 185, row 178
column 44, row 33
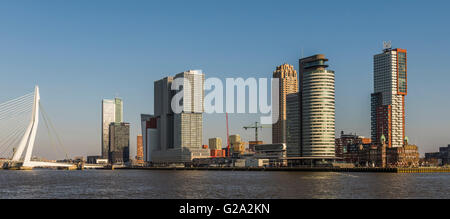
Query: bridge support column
column 30, row 134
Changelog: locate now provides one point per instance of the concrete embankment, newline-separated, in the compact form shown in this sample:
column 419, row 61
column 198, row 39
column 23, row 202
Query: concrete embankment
column 423, row 170
column 304, row 169
column 293, row 169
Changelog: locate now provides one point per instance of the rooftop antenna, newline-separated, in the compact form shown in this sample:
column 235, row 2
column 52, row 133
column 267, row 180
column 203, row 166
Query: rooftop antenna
column 387, row 45
column 302, row 53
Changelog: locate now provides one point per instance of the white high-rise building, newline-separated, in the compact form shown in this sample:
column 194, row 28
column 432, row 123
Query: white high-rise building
column 188, row 125
column 388, row 99
column 317, row 103
column 112, row 111
column 311, row 113
column 193, row 100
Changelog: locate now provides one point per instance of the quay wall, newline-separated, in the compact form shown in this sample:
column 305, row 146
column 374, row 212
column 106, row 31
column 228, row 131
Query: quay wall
column 305, row 169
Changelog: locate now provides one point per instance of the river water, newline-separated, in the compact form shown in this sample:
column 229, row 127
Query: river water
column 219, row 184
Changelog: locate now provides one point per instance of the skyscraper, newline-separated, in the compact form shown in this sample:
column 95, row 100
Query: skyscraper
column 388, row 99
column 163, row 111
column 139, row 150
column 119, row 142
column 196, row 80
column 317, row 103
column 112, row 111
column 288, row 83
column 188, row 125
column 293, row 111
column 118, row 109
column 180, row 134
column 150, row 135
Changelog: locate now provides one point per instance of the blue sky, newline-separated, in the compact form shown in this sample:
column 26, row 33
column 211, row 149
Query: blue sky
column 80, row 52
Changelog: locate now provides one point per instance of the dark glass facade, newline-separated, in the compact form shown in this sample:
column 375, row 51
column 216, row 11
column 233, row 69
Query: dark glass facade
column 119, row 143
column 402, row 85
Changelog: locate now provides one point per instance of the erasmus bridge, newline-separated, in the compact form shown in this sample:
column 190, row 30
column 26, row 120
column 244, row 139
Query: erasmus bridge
column 19, row 119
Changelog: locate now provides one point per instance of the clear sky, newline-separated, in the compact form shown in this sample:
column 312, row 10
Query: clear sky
column 80, row 52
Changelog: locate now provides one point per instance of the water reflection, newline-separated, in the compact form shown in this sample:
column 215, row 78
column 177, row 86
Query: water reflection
column 219, row 184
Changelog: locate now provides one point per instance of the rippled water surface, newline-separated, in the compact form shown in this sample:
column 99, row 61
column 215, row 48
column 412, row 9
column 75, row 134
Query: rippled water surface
column 219, row 184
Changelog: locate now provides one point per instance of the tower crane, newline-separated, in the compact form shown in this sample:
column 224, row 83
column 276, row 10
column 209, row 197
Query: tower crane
column 256, row 126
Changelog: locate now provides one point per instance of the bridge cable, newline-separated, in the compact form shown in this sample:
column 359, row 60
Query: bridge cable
column 49, row 134
column 14, row 111
column 8, row 106
column 18, row 123
column 15, row 116
column 13, row 121
column 14, row 137
column 15, row 108
column 44, row 113
column 17, row 99
column 7, row 151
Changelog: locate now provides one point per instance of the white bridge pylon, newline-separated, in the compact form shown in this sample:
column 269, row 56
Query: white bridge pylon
column 28, row 139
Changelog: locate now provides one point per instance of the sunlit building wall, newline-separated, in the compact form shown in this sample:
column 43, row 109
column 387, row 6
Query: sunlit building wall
column 388, row 100
column 317, row 95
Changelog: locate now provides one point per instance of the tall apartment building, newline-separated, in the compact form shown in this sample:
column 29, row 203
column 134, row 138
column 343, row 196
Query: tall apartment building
column 293, row 112
column 163, row 112
column 317, row 103
column 388, row 99
column 288, row 83
column 179, row 134
column 112, row 111
column 150, row 135
column 188, row 125
column 196, row 80
column 139, row 150
column 119, row 142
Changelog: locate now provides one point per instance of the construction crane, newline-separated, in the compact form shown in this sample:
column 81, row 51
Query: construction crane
column 256, row 126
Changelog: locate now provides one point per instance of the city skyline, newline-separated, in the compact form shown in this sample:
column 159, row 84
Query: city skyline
column 72, row 76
